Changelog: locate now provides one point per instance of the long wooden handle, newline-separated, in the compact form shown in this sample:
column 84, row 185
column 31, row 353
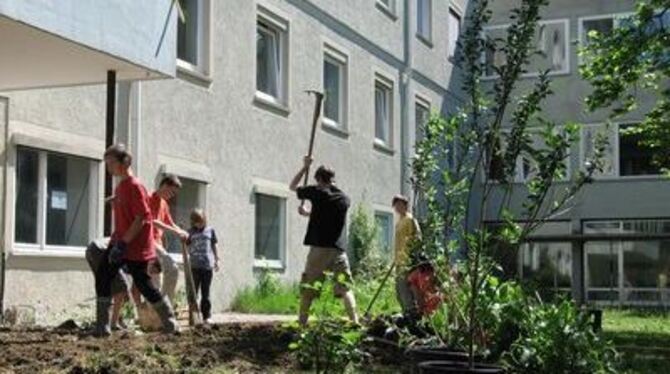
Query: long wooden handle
column 315, row 122
column 193, row 309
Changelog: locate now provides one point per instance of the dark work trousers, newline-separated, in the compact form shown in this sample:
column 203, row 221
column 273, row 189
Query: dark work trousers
column 202, row 279
column 137, row 270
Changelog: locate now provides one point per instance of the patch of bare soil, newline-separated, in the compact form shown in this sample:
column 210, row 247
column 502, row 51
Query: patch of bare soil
column 248, row 348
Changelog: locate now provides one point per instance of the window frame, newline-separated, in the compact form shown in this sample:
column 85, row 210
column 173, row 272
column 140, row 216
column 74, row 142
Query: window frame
column 459, row 14
column 422, row 101
column 203, row 187
column 41, row 248
column 613, row 130
column 381, row 210
column 278, row 23
column 427, row 39
column 389, row 9
column 336, row 56
column 581, row 35
column 388, row 85
column 202, row 71
column 281, row 192
column 568, row 63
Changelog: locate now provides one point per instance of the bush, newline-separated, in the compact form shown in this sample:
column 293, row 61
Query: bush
column 364, row 251
column 558, row 338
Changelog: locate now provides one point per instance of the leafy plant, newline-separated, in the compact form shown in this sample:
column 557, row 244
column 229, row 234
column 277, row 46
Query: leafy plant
column 558, row 338
column 329, row 344
column 364, row 247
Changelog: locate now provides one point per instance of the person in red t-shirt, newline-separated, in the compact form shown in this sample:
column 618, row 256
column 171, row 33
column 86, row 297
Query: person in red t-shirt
column 162, row 221
column 131, row 244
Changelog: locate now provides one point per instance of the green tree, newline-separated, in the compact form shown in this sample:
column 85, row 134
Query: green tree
column 630, row 62
column 466, row 164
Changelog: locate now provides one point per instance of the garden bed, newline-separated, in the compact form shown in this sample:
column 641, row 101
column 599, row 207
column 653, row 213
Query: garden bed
column 245, row 348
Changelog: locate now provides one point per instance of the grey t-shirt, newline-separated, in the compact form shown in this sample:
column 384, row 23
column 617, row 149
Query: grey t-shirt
column 200, row 247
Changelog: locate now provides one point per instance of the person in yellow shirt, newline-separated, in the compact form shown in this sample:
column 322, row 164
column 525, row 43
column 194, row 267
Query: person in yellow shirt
column 406, row 231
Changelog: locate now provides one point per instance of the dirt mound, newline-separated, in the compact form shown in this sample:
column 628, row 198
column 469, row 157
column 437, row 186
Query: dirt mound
column 244, row 348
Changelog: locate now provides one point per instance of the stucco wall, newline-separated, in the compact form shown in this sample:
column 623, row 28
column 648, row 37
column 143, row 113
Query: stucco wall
column 217, row 130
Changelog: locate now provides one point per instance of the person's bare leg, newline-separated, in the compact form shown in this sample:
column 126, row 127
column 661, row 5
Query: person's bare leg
column 305, row 304
column 118, row 301
column 349, row 301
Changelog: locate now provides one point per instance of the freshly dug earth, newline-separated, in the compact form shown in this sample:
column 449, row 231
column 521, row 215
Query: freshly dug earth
column 247, row 348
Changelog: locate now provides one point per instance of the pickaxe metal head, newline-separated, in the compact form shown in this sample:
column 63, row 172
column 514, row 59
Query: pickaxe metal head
column 318, row 94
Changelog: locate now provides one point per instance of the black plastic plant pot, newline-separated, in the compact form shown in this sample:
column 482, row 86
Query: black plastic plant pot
column 421, row 354
column 436, row 367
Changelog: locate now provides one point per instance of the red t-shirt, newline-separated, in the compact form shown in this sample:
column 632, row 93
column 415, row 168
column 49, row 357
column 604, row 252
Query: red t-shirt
column 131, row 201
column 160, row 210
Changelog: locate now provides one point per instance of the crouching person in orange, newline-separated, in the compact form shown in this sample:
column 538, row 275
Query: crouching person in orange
column 131, row 245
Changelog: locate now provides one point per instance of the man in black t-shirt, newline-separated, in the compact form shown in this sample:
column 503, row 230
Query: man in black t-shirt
column 326, row 238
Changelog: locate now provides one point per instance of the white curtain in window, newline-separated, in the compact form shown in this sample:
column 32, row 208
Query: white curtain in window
column 382, row 114
column 558, row 52
column 268, row 61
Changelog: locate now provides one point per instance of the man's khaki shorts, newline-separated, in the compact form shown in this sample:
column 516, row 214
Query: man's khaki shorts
column 321, row 260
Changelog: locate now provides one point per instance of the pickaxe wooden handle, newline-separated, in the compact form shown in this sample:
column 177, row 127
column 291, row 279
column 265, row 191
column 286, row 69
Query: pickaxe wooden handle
column 320, row 96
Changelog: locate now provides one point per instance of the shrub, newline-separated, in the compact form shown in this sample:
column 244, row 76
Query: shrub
column 363, row 243
column 558, row 338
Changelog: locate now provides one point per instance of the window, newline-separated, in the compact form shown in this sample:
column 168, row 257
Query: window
column 55, row 199
column 424, row 19
column 594, row 137
column 421, row 117
column 628, row 272
column 526, row 166
column 193, row 37
column 623, row 155
column 191, row 195
column 635, row 159
column 271, row 60
column 385, row 224
column 453, row 32
column 547, row 265
column 335, row 87
column 383, row 112
column 551, row 42
column 270, row 239
column 600, row 25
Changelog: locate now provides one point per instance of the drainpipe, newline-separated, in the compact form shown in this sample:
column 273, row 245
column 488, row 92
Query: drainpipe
column 110, row 121
column 128, row 122
column 4, row 121
column 406, row 99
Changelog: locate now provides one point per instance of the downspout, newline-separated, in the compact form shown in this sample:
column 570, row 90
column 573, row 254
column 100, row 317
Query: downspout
column 110, row 122
column 4, row 121
column 406, row 99
column 127, row 125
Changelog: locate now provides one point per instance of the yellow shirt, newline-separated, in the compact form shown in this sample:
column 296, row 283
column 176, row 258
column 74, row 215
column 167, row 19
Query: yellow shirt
column 406, row 230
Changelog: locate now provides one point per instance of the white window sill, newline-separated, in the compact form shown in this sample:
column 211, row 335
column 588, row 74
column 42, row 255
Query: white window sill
column 530, row 75
column 192, row 74
column 334, row 128
column 383, row 147
column 268, row 264
column 425, row 40
column 266, row 101
column 387, row 11
column 20, row 250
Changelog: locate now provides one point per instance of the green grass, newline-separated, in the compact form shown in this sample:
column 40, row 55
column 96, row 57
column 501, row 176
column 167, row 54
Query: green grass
column 642, row 338
column 284, row 299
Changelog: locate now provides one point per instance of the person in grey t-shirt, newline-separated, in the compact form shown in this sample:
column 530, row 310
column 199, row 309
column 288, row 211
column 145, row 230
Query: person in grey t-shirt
column 202, row 243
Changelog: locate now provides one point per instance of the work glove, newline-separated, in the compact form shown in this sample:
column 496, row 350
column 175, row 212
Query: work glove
column 116, row 252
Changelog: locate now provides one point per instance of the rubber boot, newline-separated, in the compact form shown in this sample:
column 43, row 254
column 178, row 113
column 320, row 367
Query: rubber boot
column 167, row 316
column 103, row 310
